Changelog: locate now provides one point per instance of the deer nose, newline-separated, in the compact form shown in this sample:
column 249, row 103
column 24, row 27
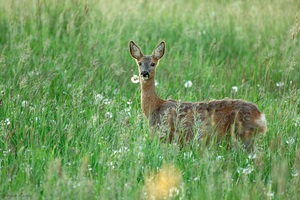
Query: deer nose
column 145, row 74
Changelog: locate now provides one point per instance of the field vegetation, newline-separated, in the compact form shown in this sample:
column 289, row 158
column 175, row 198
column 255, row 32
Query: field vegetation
column 71, row 126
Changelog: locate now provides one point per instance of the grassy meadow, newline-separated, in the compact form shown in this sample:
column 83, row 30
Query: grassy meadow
column 71, row 125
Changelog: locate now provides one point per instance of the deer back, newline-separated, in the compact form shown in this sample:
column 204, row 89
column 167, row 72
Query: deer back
column 221, row 116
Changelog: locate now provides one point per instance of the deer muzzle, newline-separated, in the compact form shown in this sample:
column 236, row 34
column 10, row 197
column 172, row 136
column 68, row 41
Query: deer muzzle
column 145, row 75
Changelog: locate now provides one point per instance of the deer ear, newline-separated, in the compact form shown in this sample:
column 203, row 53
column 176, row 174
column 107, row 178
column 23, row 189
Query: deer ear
column 135, row 51
column 159, row 51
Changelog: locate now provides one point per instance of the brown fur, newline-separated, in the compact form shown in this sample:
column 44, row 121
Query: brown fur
column 185, row 120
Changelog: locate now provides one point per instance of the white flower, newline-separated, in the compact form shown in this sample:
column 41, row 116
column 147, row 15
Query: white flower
column 221, row 158
column 94, row 118
column 24, row 103
column 290, row 141
column 234, row 89
column 246, row 170
column 108, row 115
column 173, row 192
column 116, row 91
column 106, row 101
column 7, row 121
column 135, row 79
column 98, row 98
column 188, row 84
column 280, row 84
column 127, row 111
column 156, row 83
column 294, row 173
column 252, row 156
column 187, row 155
column 270, row 195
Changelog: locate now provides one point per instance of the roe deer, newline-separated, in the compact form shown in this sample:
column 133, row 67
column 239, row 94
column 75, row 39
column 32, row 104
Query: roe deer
column 226, row 117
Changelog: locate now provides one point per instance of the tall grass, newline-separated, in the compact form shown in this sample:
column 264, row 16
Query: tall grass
column 70, row 118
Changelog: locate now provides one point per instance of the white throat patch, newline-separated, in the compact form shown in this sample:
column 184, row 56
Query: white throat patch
column 145, row 78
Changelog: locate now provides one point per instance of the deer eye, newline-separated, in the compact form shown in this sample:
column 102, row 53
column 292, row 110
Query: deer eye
column 140, row 63
column 152, row 64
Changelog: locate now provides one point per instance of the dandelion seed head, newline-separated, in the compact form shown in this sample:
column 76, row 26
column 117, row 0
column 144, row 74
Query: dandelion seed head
column 270, row 195
column 221, row 158
column 188, row 84
column 280, row 84
column 7, row 121
column 116, row 91
column 196, row 179
column 94, row 118
column 120, row 152
column 247, row 170
column 127, row 111
column 295, row 172
column 135, row 79
column 107, row 101
column 108, row 115
column 98, row 98
column 290, row 141
column 24, row 103
column 234, row 89
column 111, row 165
column 252, row 156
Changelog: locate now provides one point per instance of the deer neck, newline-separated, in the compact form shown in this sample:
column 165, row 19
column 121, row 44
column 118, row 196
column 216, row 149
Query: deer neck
column 149, row 98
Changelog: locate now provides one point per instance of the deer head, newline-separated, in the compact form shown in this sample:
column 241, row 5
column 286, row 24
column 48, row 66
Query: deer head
column 147, row 64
